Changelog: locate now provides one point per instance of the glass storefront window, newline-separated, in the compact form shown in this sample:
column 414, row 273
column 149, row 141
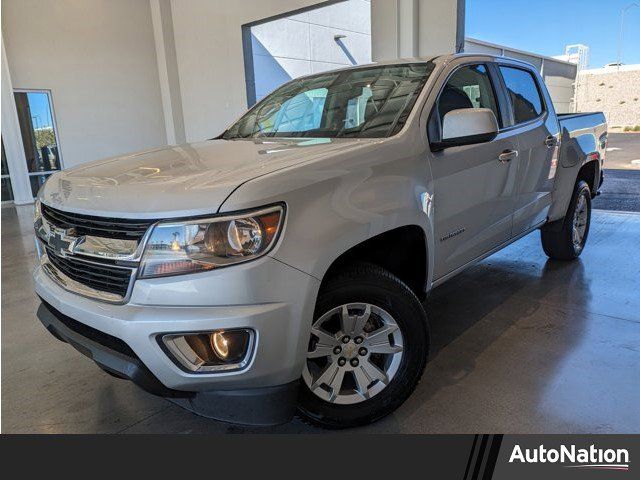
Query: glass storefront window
column 39, row 135
column 7, row 191
column 36, row 182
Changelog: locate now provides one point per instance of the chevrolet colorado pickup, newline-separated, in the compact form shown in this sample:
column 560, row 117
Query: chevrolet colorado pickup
column 282, row 267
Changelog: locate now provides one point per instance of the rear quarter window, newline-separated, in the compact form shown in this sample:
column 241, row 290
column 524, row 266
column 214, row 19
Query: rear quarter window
column 524, row 94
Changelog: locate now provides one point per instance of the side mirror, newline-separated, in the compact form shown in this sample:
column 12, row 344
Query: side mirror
column 466, row 126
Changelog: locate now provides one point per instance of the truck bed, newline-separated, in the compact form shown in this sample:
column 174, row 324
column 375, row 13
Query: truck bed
column 573, row 122
column 564, row 116
column 584, row 127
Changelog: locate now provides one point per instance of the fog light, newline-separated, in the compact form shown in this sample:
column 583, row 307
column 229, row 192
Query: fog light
column 210, row 351
column 220, row 345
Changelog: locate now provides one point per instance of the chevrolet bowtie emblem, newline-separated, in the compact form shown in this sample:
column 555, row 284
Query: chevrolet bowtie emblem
column 61, row 241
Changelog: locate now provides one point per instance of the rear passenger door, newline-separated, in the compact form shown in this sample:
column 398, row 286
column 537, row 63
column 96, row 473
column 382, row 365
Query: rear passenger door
column 533, row 120
column 473, row 187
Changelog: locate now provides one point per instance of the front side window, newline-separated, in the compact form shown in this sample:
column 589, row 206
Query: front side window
column 468, row 87
column 369, row 102
column 524, row 94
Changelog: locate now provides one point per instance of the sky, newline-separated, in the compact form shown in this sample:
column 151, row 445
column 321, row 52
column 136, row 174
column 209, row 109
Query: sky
column 546, row 26
column 40, row 113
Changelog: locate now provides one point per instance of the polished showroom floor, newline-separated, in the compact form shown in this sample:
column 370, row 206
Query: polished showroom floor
column 521, row 344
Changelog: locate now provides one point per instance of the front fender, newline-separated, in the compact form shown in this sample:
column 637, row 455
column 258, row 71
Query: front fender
column 337, row 203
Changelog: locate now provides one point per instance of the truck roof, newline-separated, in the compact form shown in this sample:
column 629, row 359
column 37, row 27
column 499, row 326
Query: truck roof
column 439, row 59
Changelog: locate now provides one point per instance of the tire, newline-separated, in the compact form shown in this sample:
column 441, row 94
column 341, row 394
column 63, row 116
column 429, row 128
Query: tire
column 389, row 300
column 558, row 243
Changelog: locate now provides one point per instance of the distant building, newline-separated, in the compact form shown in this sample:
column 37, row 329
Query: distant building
column 577, row 53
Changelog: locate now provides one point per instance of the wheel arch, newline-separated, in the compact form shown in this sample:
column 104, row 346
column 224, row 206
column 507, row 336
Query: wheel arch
column 567, row 177
column 403, row 251
column 590, row 173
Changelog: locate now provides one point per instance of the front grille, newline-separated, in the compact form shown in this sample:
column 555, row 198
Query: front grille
column 102, row 277
column 122, row 229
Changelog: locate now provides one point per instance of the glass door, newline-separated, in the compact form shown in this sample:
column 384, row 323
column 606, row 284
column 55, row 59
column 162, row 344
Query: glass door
column 39, row 136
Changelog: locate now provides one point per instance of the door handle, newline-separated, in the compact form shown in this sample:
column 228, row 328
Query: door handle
column 507, row 155
column 550, row 141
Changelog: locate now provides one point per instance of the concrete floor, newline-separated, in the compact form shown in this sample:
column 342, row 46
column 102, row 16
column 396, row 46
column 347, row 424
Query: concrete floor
column 521, row 345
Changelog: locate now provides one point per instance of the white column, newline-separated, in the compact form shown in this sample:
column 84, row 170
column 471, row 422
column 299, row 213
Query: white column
column 416, row 28
column 162, row 19
column 12, row 138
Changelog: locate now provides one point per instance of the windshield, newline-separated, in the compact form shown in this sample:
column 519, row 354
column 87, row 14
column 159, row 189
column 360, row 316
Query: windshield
column 367, row 102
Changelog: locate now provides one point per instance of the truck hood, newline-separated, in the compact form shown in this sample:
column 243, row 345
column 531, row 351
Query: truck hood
column 184, row 180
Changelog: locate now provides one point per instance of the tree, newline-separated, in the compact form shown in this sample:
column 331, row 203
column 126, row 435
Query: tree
column 45, row 137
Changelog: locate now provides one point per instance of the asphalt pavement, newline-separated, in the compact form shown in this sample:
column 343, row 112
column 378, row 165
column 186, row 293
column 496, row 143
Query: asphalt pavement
column 621, row 188
column 623, row 151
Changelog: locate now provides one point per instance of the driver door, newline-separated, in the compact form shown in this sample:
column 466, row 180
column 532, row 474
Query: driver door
column 474, row 185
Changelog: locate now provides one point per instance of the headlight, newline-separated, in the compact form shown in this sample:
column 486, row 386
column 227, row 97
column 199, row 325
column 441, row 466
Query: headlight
column 199, row 245
column 37, row 212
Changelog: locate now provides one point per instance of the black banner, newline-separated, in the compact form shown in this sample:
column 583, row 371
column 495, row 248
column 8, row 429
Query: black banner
column 456, row 457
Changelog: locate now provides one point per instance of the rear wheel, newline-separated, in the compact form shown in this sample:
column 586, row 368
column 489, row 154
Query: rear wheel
column 368, row 347
column 567, row 242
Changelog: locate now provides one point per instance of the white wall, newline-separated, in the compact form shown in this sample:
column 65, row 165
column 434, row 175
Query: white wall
column 208, row 37
column 304, row 43
column 415, row 28
column 98, row 59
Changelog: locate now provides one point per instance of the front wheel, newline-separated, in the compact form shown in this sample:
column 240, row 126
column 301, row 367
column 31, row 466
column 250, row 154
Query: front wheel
column 367, row 350
column 567, row 242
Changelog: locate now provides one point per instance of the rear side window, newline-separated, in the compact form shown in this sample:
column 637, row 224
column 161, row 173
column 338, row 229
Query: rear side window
column 524, row 94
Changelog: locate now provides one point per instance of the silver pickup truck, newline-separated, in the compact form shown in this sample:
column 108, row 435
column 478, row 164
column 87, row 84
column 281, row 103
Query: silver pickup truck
column 283, row 266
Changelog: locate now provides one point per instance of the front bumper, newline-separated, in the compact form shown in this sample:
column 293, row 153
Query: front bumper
column 256, row 406
column 273, row 299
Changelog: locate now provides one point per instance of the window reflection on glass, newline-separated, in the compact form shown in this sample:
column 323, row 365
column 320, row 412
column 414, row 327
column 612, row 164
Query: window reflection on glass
column 5, row 168
column 7, row 191
column 356, row 108
column 298, row 114
column 36, row 182
column 525, row 97
column 369, row 102
column 38, row 135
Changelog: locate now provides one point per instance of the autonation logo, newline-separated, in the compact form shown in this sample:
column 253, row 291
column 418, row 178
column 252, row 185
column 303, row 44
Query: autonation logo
column 589, row 458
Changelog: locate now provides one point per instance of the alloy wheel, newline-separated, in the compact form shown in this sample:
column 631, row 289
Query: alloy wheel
column 580, row 218
column 354, row 352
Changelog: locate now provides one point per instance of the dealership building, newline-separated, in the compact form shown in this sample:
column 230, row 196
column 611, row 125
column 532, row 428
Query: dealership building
column 120, row 76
